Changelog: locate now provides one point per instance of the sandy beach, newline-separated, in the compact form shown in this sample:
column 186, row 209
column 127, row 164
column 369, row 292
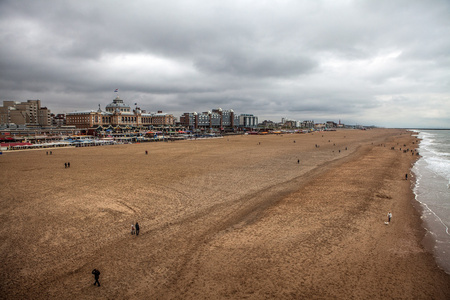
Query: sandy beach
column 293, row 216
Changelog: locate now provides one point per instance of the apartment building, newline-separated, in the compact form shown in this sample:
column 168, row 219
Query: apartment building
column 29, row 113
column 218, row 119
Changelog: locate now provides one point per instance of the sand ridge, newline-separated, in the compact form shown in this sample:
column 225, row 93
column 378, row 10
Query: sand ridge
column 235, row 217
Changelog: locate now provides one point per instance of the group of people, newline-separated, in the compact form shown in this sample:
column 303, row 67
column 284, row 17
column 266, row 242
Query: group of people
column 67, row 165
column 135, row 229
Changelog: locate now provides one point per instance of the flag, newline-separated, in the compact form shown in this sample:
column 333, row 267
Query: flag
column 116, row 90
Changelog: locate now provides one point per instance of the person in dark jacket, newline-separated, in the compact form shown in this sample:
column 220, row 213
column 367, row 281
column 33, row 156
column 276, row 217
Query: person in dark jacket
column 137, row 228
column 96, row 275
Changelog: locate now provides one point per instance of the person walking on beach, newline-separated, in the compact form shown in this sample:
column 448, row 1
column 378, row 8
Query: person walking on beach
column 132, row 229
column 65, row 165
column 406, row 176
column 96, row 276
column 137, row 228
column 68, row 164
column 389, row 215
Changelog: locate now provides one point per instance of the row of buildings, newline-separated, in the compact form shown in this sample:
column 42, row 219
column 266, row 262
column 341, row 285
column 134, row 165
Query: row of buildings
column 121, row 114
column 29, row 113
column 118, row 114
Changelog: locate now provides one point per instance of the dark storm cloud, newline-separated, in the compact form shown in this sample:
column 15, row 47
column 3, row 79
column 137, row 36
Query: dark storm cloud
column 296, row 59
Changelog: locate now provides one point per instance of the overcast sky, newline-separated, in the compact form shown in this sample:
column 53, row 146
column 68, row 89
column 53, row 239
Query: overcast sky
column 384, row 63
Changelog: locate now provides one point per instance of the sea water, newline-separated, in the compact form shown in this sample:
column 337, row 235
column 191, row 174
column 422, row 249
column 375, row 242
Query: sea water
column 432, row 191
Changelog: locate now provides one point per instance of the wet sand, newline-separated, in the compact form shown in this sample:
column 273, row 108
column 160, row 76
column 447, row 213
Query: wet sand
column 230, row 218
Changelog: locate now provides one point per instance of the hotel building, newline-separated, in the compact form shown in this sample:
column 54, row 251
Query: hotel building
column 118, row 114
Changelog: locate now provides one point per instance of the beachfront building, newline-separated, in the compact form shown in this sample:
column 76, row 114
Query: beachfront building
column 28, row 114
column 285, row 123
column 320, row 126
column 215, row 119
column 58, row 120
column 307, row 124
column 248, row 121
column 218, row 119
column 118, row 114
column 331, row 124
column 189, row 120
column 268, row 124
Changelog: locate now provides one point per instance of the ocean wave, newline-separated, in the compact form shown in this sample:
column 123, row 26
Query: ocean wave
column 439, row 166
column 434, row 149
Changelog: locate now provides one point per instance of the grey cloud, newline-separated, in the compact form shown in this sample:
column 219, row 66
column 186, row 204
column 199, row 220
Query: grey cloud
column 311, row 59
column 256, row 64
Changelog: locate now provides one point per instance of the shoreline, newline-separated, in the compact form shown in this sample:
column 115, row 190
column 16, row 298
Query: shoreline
column 430, row 240
column 224, row 218
column 428, row 244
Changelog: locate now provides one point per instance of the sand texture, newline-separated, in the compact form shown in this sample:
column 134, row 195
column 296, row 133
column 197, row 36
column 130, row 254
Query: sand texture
column 229, row 218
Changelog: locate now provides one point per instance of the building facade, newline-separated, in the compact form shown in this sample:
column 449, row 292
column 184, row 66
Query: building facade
column 248, row 121
column 218, row 119
column 215, row 119
column 118, row 114
column 58, row 120
column 307, row 124
column 29, row 113
column 331, row 124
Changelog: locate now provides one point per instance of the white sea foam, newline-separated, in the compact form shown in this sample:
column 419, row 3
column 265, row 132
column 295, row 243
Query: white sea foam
column 440, row 166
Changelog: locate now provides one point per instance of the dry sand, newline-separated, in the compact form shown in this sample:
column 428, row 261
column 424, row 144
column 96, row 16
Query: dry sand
column 227, row 218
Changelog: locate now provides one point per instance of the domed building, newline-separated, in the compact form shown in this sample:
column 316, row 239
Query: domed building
column 118, row 115
column 117, row 105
